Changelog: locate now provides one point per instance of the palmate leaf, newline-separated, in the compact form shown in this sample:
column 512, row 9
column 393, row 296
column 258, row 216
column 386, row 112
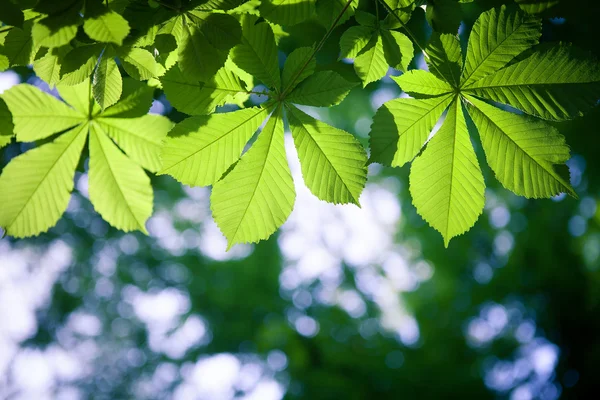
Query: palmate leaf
column 258, row 195
column 354, row 40
column 47, row 68
column 555, row 84
column 526, row 155
column 333, row 161
column 35, row 187
column 200, row 149
column 43, row 177
column 446, row 183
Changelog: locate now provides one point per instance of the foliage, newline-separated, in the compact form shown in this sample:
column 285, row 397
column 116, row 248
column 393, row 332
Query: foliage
column 210, row 57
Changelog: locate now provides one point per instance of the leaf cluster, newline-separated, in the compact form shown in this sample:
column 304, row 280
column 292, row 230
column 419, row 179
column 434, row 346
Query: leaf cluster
column 108, row 59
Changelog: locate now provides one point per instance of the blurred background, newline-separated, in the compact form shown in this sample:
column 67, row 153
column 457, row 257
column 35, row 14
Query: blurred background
column 343, row 303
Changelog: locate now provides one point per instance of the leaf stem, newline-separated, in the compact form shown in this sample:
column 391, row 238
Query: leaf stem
column 319, row 46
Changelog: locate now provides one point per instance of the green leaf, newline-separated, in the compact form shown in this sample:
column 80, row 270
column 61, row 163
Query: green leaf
column 221, row 30
column 446, row 183
column 35, row 187
column 298, row 59
column 328, row 11
column 354, row 40
column 333, row 161
column 108, row 83
column 287, row 12
column 401, row 127
column 141, row 65
column 107, row 27
column 370, row 64
column 119, row 188
column 37, row 115
column 6, row 124
column 398, row 49
column 366, row 19
column 556, row 84
column 140, row 138
column 80, row 97
column 258, row 195
column 522, row 152
column 196, row 98
column 422, row 83
column 444, row 15
column 135, row 101
column 322, row 89
column 536, row 6
column 498, row 36
column 47, row 68
column 54, row 31
column 257, row 54
column 198, row 59
column 445, row 58
column 18, row 46
column 199, row 150
column 78, row 64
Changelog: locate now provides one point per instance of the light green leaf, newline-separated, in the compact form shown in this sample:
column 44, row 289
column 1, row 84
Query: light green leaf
column 333, row 161
column 108, row 83
column 135, row 101
column 401, row 127
column 370, row 64
column 54, row 31
column 398, row 49
column 522, row 151
column 47, row 68
column 141, row 65
column 196, row 98
column 446, row 183
column 287, row 12
column 80, row 97
column 445, row 57
column 199, row 150
column 35, row 187
column 79, row 63
column 140, row 138
column 422, row 82
column 258, row 195
column 498, row 36
column 257, row 54
column 6, row 124
column 556, row 84
column 108, row 27
column 322, row 89
column 298, row 59
column 119, row 188
column 37, row 115
column 354, row 40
